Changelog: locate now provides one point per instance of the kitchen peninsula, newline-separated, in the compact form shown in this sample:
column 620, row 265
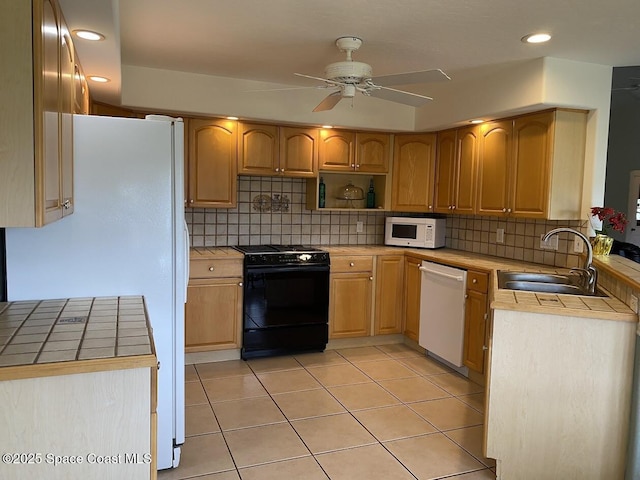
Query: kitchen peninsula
column 78, row 389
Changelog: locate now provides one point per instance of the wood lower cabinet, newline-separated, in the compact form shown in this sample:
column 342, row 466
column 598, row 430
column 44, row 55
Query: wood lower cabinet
column 212, row 164
column 412, row 279
column 389, row 288
column 350, row 296
column 413, row 173
column 476, row 318
column 213, row 313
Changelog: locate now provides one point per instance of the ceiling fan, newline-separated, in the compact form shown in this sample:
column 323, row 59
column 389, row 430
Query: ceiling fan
column 349, row 77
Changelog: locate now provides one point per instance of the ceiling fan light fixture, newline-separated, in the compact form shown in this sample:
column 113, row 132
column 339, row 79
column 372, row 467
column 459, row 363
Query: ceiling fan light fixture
column 536, row 38
column 98, row 79
column 89, row 35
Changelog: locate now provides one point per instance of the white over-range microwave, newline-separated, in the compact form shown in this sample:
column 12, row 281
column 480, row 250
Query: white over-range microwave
column 414, row 232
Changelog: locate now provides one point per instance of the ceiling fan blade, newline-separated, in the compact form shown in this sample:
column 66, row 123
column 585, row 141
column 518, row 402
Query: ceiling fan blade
column 329, row 102
column 410, row 78
column 399, row 96
column 326, row 80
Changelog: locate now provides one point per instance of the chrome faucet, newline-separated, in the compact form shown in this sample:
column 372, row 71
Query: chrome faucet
column 589, row 272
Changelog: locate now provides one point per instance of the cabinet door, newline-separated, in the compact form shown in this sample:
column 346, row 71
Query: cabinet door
column 372, row 152
column 336, row 150
column 258, row 149
column 212, row 314
column 67, row 104
column 299, row 151
column 445, row 172
column 412, row 277
column 413, row 173
column 50, row 183
column 493, row 171
column 389, row 288
column 475, row 324
column 531, row 170
column 350, row 305
column 212, row 163
column 466, row 166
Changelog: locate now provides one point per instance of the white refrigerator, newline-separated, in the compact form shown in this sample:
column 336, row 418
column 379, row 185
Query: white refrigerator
column 127, row 236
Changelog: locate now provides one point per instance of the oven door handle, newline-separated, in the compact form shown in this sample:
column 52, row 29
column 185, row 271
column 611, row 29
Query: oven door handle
column 288, row 269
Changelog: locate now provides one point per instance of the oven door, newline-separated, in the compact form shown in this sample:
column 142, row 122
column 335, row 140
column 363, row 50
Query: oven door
column 285, row 308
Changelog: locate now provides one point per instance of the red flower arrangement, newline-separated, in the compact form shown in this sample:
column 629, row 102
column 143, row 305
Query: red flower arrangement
column 610, row 219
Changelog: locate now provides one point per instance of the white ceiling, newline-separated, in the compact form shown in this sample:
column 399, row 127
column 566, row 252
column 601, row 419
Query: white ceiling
column 270, row 40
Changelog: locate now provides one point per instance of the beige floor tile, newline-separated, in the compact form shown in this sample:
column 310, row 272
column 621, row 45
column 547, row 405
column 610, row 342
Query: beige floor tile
column 433, row 456
column 270, row 443
column 393, row 423
column 273, row 364
column 249, row 412
column 230, row 475
column 476, row 401
column 386, row 369
column 308, row 403
column 190, row 374
column 478, row 475
column 228, row 368
column 447, row 413
column 317, row 359
column 201, row 455
column 288, row 381
column 363, row 463
column 456, row 384
column 194, row 394
column 471, row 439
column 363, row 395
column 334, row 432
column 424, row 365
column 343, row 374
column 363, row 354
column 305, row 468
column 199, row 419
column 413, row 389
column 230, row 388
column 399, row 350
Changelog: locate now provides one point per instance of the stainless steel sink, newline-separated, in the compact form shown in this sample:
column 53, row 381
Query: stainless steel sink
column 544, row 283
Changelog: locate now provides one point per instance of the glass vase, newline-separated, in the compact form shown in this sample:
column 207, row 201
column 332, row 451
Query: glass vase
column 602, row 244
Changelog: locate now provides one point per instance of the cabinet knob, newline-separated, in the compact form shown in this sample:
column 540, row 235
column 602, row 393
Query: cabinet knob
column 211, row 269
column 240, row 284
column 190, row 201
column 484, row 347
column 277, row 169
column 351, row 264
column 466, row 296
column 508, row 210
column 453, row 207
column 282, row 170
column 504, row 210
column 353, row 165
column 357, row 165
column 430, row 207
column 370, row 278
column 67, row 204
column 475, row 280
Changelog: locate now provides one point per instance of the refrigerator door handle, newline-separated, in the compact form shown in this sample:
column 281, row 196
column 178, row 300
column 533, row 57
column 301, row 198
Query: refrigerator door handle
column 186, row 259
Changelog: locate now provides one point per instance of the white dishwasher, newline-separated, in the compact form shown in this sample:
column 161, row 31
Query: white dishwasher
column 442, row 302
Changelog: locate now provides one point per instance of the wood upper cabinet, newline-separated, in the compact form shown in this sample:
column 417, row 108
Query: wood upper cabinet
column 298, row 151
column 350, row 296
column 493, row 170
column 366, row 152
column 532, row 166
column 258, row 149
column 412, row 278
column 389, row 292
column 413, row 172
column 336, row 150
column 212, row 163
column 36, row 127
column 476, row 319
column 447, row 153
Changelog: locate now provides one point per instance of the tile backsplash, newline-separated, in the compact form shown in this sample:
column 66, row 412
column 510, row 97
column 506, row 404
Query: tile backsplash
column 273, row 210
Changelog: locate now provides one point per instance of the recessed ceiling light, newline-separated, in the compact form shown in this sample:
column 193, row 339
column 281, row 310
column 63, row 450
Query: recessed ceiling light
column 536, row 38
column 327, row 126
column 477, row 120
column 98, row 79
column 88, row 35
column 232, row 118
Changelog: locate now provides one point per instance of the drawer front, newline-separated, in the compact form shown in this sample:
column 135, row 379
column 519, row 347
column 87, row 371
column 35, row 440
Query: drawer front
column 477, row 281
column 215, row 268
column 352, row 264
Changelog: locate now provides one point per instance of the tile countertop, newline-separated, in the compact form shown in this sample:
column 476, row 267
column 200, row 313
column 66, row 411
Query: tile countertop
column 214, row 253
column 73, row 335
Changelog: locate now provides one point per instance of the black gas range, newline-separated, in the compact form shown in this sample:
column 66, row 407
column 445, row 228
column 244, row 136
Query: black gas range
column 286, row 299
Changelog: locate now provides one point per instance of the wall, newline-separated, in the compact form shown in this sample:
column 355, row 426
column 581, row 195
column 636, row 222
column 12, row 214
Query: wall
column 246, row 225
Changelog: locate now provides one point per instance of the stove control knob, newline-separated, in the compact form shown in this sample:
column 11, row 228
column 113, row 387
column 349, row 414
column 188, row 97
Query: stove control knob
column 304, row 257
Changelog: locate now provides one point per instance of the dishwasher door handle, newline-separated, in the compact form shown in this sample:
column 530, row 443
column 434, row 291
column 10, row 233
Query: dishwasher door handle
column 435, row 272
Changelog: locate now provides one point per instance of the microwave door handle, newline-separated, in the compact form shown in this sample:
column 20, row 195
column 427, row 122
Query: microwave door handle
column 446, row 275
